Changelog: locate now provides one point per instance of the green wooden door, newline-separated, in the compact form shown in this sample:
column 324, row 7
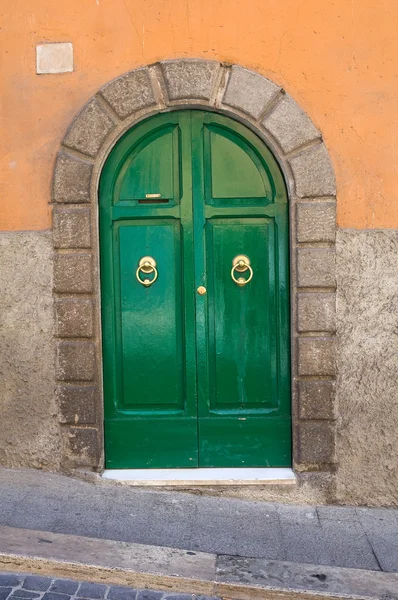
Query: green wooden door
column 194, row 379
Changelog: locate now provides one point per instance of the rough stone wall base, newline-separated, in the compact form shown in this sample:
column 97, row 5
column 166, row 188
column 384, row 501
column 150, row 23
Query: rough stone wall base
column 367, row 329
column 30, row 431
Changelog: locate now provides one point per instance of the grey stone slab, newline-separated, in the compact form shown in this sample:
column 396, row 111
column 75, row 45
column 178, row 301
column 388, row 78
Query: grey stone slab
column 304, row 543
column 149, row 595
column 289, row 125
column 64, row 586
column 4, row 593
column 317, row 399
column 313, row 173
column 73, row 273
column 316, row 221
column 248, row 91
column 385, row 546
column 262, row 539
column 266, row 578
column 24, row 516
column 71, row 227
column 55, row 596
column 316, row 442
column 83, row 445
column 108, row 556
column 316, row 312
column 121, row 593
column 35, row 583
column 298, row 515
column 381, row 528
column 90, row 129
column 375, row 518
column 77, row 404
column 72, row 179
column 94, row 591
column 74, row 317
column 10, row 580
column 130, row 92
column 337, row 513
column 25, row 594
column 235, row 527
column 188, row 78
column 316, row 267
column 348, row 545
column 317, row 356
column 75, row 361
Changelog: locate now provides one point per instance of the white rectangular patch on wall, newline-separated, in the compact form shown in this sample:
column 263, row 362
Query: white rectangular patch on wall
column 54, row 58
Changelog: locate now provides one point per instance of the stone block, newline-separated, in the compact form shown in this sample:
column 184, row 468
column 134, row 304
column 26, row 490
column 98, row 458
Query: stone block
column 316, row 221
column 74, row 317
column 83, row 445
column 316, row 267
column 130, row 92
column 54, row 58
column 71, row 227
column 72, row 273
column 248, row 92
column 72, row 179
column 316, row 441
column 90, row 129
column 189, row 78
column 75, row 361
column 317, row 356
column 317, row 400
column 289, row 125
column 313, row 173
column 77, row 404
column 316, row 311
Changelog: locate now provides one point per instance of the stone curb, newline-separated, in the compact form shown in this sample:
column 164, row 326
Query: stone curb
column 170, row 569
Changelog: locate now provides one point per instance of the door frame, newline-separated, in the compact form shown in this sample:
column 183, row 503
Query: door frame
column 296, row 144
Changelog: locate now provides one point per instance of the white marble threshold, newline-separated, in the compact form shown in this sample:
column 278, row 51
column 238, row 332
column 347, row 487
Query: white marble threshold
column 191, row 477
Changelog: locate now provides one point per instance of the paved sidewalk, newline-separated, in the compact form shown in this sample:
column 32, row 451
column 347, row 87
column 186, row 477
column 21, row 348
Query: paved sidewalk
column 35, row 587
column 345, row 537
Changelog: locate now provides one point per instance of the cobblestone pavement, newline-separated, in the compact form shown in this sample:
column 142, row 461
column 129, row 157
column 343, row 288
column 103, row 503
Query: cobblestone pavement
column 35, row 587
column 361, row 538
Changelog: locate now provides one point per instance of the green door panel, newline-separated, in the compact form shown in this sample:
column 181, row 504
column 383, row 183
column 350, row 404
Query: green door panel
column 160, row 149
column 233, row 168
column 151, row 327
column 250, row 441
column 242, row 337
column 194, row 380
column 148, row 442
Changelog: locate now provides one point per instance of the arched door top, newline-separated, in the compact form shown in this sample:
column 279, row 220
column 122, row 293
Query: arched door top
column 234, row 90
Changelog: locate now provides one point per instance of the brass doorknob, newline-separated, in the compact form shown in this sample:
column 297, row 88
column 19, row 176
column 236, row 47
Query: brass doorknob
column 147, row 265
column 201, row 290
column 240, row 264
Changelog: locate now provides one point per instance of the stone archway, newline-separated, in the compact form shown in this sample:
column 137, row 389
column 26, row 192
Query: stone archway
column 296, row 143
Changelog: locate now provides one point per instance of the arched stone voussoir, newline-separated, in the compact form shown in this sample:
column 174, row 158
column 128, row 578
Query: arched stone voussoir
column 313, row 172
column 188, row 79
column 72, row 179
column 130, row 93
column 290, row 125
column 249, row 92
column 89, row 129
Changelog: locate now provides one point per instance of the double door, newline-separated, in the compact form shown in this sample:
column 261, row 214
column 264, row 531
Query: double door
column 195, row 297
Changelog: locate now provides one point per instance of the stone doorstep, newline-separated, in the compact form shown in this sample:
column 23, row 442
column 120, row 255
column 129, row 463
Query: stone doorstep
column 174, row 570
column 202, row 477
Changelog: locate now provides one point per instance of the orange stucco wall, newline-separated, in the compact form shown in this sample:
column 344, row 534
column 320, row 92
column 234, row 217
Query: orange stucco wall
column 336, row 58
